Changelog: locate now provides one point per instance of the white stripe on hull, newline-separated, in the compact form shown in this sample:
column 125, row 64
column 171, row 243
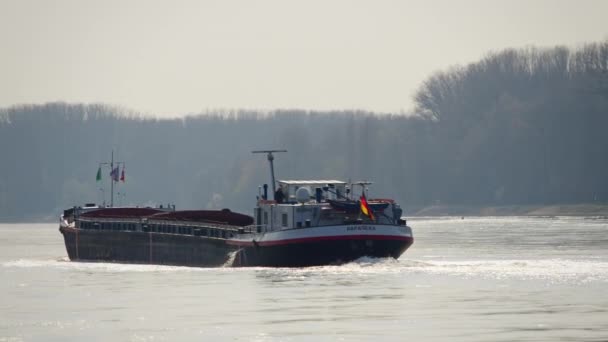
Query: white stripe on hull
column 328, row 231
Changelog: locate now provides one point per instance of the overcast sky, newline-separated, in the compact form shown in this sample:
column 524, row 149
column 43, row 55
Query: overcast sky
column 170, row 58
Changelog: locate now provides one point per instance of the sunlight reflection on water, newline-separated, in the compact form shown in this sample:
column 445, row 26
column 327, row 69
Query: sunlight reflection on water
column 486, row 279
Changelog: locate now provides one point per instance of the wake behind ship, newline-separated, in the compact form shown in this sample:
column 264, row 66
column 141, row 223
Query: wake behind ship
column 308, row 223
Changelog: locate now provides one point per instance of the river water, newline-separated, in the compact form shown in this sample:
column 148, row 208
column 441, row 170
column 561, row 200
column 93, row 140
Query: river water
column 472, row 279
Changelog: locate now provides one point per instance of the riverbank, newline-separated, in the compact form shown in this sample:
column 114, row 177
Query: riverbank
column 592, row 210
column 513, row 210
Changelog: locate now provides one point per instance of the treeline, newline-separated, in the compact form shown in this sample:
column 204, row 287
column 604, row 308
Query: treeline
column 525, row 126
column 518, row 127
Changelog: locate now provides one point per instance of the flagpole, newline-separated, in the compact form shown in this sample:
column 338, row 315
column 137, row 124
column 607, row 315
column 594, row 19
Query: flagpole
column 113, row 176
column 112, row 180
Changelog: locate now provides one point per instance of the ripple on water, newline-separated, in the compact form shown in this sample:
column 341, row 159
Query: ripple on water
column 559, row 270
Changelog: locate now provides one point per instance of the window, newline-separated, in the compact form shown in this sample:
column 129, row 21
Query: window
column 265, row 217
column 284, row 220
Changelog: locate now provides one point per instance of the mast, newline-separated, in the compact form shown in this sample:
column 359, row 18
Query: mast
column 112, row 180
column 271, row 161
column 111, row 164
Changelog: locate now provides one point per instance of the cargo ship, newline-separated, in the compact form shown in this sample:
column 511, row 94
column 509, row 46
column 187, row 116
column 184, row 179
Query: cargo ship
column 306, row 223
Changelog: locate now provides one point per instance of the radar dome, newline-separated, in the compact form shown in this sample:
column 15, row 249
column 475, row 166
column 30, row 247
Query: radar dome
column 303, row 195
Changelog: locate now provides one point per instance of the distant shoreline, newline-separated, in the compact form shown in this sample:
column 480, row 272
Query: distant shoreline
column 583, row 210
column 513, row 210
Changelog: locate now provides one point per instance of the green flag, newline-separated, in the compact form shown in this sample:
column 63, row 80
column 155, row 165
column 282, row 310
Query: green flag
column 98, row 178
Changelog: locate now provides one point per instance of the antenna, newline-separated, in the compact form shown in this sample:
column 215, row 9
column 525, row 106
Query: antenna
column 363, row 185
column 270, row 160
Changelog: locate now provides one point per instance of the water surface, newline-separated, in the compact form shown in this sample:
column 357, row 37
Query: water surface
column 472, row 279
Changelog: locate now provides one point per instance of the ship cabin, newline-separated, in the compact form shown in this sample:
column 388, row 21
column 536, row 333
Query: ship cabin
column 314, row 203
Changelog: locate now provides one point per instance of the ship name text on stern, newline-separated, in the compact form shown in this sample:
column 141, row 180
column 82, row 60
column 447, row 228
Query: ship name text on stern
column 360, row 227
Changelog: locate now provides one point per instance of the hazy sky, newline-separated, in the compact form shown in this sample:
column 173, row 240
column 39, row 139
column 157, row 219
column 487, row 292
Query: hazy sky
column 175, row 57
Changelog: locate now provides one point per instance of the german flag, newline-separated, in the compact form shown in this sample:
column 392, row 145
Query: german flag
column 365, row 209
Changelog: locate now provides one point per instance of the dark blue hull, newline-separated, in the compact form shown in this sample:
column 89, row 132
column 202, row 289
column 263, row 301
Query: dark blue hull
column 319, row 253
column 199, row 251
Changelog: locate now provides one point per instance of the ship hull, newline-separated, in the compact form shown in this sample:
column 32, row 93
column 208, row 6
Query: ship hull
column 289, row 248
column 145, row 248
column 319, row 253
column 331, row 245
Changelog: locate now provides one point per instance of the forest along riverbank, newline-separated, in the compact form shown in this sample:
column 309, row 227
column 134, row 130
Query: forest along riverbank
column 512, row 210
